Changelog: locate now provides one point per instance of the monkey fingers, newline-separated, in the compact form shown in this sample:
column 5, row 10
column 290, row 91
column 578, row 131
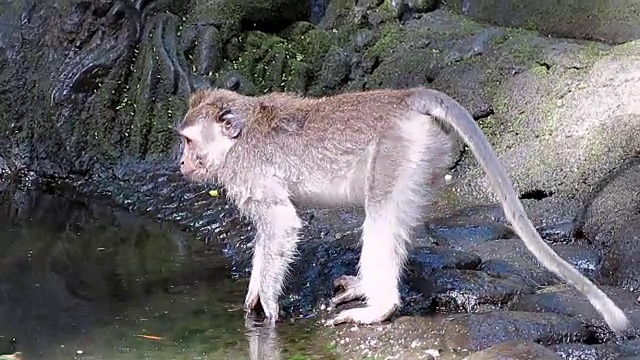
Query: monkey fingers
column 352, row 290
column 251, row 300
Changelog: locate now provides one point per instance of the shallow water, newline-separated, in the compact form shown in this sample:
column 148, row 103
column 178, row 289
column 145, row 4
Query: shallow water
column 82, row 280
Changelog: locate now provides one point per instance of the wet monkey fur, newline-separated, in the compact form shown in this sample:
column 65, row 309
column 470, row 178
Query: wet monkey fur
column 387, row 150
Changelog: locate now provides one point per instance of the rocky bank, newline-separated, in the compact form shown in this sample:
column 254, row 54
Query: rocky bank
column 90, row 90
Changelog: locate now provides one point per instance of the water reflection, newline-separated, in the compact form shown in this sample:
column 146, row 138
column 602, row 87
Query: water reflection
column 263, row 341
column 82, row 280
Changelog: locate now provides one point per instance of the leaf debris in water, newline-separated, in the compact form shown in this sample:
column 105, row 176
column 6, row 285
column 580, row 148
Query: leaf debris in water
column 14, row 356
column 151, row 337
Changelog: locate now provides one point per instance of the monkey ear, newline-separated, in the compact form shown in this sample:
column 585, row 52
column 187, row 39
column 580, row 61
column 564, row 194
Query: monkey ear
column 232, row 124
column 197, row 97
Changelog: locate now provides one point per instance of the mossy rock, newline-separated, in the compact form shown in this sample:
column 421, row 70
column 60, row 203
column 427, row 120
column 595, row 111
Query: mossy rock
column 311, row 42
column 389, row 36
column 272, row 63
column 231, row 16
column 614, row 22
column 544, row 127
column 286, row 61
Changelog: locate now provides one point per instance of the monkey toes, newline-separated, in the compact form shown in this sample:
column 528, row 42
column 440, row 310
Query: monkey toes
column 253, row 302
column 352, row 291
column 366, row 316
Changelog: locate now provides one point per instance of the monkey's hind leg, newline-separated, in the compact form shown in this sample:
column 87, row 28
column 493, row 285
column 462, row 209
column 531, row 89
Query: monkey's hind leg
column 407, row 167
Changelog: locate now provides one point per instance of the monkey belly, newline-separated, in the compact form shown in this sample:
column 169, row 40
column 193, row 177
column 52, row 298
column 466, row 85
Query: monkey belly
column 331, row 192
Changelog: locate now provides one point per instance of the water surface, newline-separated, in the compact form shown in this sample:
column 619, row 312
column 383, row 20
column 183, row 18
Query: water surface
column 80, row 279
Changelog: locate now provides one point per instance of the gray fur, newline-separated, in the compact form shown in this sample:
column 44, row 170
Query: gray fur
column 386, row 150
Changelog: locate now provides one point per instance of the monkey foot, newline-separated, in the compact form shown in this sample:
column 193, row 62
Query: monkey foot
column 365, row 316
column 351, row 286
column 253, row 301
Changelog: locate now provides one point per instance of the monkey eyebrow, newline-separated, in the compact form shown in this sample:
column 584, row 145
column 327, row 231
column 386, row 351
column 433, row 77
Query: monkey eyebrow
column 225, row 112
column 190, row 132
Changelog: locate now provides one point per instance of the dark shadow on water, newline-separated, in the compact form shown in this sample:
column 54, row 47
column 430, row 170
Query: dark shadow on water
column 80, row 279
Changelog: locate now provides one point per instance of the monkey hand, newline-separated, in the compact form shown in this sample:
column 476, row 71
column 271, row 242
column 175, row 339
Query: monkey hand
column 268, row 303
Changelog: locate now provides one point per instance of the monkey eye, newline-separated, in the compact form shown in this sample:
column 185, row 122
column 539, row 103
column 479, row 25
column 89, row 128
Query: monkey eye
column 224, row 115
column 187, row 140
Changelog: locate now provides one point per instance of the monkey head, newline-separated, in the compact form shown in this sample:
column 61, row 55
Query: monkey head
column 208, row 131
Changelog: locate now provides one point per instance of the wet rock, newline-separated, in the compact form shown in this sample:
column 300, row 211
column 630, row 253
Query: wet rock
column 454, row 290
column 584, row 352
column 427, row 259
column 521, row 270
column 515, row 350
column 4, row 167
column 552, row 216
column 583, row 258
column 558, row 232
column 458, row 233
column 586, row 260
column 406, row 338
column 622, row 259
column 627, row 349
column 270, row 15
column 321, row 264
column 348, row 14
column 568, row 301
column 480, row 331
column 616, row 22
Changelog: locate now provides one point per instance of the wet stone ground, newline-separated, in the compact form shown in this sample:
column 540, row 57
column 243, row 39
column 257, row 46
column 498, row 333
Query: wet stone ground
column 471, row 290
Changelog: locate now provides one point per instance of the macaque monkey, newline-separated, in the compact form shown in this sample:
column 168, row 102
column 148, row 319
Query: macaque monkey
column 387, row 150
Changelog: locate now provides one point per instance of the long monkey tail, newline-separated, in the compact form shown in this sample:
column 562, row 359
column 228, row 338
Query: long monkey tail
column 450, row 113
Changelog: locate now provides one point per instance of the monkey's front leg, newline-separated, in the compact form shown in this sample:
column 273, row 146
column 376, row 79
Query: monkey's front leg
column 277, row 235
column 253, row 292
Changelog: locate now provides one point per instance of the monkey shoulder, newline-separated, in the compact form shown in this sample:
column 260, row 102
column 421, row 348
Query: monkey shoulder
column 280, row 114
